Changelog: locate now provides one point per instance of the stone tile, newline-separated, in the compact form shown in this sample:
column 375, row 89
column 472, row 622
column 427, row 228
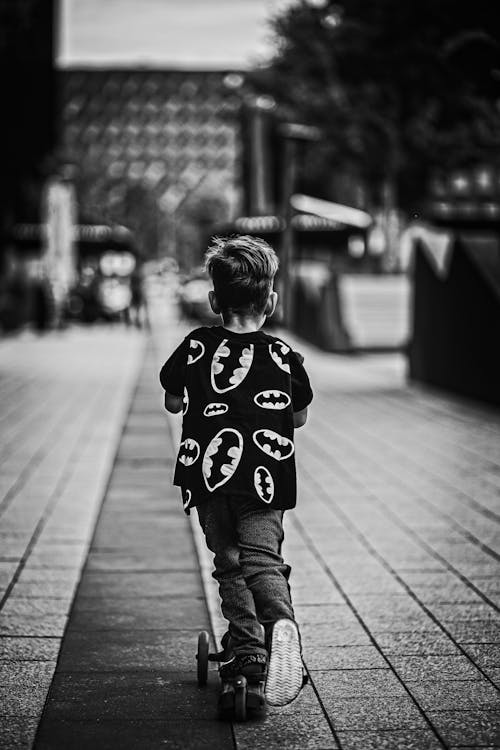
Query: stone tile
column 113, row 585
column 486, row 655
column 342, row 657
column 130, row 650
column 373, row 714
column 436, row 668
column 17, row 732
column 128, row 561
column 293, row 731
column 29, row 649
column 455, row 695
column 149, row 613
column 131, row 735
column 419, row 643
column 334, row 634
column 101, row 696
column 474, row 631
column 362, row 683
column 49, row 589
column 51, row 626
column 467, row 728
column 389, row 740
column 36, row 607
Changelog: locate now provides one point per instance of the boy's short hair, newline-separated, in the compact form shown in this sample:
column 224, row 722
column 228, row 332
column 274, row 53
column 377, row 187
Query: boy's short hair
column 242, row 269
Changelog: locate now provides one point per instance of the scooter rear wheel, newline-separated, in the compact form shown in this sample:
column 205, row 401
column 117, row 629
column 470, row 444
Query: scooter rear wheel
column 202, row 658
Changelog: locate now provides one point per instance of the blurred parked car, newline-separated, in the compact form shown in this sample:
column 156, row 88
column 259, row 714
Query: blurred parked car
column 192, row 295
column 103, row 290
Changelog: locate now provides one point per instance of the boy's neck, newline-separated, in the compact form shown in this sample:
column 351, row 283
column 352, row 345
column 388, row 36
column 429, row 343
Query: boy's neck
column 246, row 324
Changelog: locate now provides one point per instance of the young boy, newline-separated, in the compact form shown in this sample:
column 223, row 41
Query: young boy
column 242, row 392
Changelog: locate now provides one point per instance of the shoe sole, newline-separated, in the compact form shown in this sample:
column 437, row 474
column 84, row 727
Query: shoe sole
column 284, row 676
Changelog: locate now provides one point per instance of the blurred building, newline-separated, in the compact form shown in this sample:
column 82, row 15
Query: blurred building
column 151, row 146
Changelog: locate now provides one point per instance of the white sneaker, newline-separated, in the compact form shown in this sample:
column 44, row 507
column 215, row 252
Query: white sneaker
column 284, row 675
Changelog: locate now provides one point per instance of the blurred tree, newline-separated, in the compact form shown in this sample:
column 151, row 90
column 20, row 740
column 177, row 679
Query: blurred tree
column 398, row 88
column 207, row 205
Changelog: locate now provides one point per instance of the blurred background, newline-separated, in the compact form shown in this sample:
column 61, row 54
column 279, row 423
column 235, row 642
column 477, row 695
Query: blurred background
column 360, row 139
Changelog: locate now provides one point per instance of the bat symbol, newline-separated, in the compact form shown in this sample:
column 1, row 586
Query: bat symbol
column 185, row 401
column 222, row 457
column 214, row 409
column 272, row 399
column 230, row 365
column 273, row 444
column 278, row 350
column 188, row 452
column 264, row 484
column 196, row 351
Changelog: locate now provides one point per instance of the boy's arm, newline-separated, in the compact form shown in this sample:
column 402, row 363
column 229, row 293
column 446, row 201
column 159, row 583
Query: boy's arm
column 173, row 404
column 172, row 377
column 300, row 418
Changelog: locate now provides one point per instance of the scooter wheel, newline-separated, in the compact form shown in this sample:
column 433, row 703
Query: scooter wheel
column 202, row 658
column 240, row 698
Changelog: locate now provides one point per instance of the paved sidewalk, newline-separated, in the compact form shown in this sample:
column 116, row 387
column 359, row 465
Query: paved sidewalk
column 395, row 549
column 63, row 400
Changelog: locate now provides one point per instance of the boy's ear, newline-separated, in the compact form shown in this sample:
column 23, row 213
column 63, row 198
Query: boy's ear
column 271, row 304
column 213, row 302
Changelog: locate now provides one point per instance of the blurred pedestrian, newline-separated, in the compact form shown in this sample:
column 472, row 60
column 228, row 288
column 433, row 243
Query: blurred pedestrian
column 242, row 393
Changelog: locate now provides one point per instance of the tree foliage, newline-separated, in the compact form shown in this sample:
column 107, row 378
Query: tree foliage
column 398, row 87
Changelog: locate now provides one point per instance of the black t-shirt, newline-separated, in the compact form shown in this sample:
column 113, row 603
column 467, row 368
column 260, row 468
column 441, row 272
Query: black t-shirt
column 239, row 392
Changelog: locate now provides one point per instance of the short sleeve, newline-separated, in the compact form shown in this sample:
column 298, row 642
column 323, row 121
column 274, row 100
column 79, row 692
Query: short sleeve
column 173, row 372
column 302, row 394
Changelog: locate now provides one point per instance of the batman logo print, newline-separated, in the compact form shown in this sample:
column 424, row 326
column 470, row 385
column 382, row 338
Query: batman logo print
column 185, row 401
column 196, row 351
column 278, row 351
column 215, row 409
column 264, row 484
column 275, row 445
column 189, row 452
column 222, row 457
column 230, row 365
column 272, row 399
column 186, row 499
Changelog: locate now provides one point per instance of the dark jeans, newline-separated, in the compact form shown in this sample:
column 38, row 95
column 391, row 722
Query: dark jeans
column 253, row 579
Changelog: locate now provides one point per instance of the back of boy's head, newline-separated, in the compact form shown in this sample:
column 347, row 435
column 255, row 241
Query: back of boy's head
column 242, row 269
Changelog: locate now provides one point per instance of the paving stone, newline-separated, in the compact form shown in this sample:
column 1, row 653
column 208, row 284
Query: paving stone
column 149, row 613
column 474, row 631
column 39, row 626
column 113, row 585
column 467, row 728
column 50, row 589
column 129, row 650
column 418, row 644
column 29, row 649
column 342, row 657
column 362, row 683
column 113, row 561
column 438, row 668
column 334, row 634
column 36, row 606
column 454, row 695
column 389, row 740
column 293, row 732
column 486, row 655
column 373, row 714
column 131, row 735
column 101, row 696
column 17, row 732
column 22, row 700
